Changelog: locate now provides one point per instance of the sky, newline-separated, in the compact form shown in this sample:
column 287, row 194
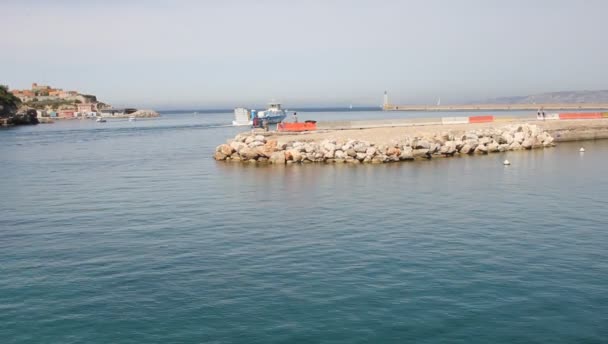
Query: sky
column 223, row 54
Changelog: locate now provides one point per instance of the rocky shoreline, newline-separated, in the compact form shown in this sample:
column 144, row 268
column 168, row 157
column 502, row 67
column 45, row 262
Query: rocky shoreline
column 257, row 148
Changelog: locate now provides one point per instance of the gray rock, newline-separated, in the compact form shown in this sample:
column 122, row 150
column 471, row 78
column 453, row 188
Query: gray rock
column 339, row 154
column 351, row 153
column 277, row 158
column 360, row 156
column 481, row 149
column 406, row 154
column 360, row 148
column 506, row 138
column 484, row 140
column 421, row 153
column 260, row 138
column 466, row 149
column 514, row 146
column 526, row 144
column 493, row 147
column 421, row 144
column 370, row 151
column 294, row 155
column 255, row 144
column 328, row 146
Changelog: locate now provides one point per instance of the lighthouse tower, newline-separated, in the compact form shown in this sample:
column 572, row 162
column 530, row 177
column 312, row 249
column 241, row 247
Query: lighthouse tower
column 385, row 103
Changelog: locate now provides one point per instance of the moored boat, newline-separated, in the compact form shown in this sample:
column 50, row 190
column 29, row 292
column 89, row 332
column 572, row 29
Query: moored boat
column 274, row 114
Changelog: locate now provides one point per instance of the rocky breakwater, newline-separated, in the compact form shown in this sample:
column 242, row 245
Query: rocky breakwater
column 259, row 149
column 144, row 113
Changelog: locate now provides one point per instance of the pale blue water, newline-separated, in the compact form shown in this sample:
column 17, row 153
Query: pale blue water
column 130, row 233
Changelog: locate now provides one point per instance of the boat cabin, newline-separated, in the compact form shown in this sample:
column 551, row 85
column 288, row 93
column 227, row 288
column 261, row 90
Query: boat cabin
column 274, row 106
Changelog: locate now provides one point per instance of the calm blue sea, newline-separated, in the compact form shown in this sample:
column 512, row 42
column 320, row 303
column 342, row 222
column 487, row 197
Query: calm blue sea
column 129, row 232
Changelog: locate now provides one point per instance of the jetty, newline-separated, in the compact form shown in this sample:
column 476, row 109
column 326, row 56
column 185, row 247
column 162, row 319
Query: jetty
column 499, row 107
column 384, row 141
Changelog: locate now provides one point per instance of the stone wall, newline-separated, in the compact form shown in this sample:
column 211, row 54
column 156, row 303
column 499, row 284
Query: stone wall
column 257, row 149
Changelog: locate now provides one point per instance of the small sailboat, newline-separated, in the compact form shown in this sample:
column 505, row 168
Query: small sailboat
column 100, row 120
column 132, row 119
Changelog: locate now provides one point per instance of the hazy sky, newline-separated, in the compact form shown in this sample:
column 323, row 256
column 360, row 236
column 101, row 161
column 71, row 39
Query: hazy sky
column 211, row 54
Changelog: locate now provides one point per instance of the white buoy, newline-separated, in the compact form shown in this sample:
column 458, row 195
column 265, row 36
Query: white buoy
column 582, row 150
column 506, row 162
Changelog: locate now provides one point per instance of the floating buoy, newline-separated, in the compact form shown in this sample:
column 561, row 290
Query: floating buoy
column 582, row 150
column 506, row 162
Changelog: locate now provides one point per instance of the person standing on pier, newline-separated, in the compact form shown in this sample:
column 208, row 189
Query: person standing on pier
column 542, row 111
column 295, row 117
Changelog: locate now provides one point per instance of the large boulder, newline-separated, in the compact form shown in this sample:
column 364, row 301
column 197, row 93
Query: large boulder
column 506, row 138
column 481, row 149
column 371, row 151
column 519, row 137
column 268, row 148
column 514, row 146
column 407, row 154
column 391, row 152
column 360, row 147
column 493, row 147
column 237, row 145
column 219, row 156
column 249, row 153
column 277, row 158
column 225, row 149
column 421, row 153
column 466, row 149
column 422, row 144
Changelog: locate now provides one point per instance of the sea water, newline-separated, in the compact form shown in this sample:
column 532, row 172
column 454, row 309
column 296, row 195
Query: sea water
column 129, row 232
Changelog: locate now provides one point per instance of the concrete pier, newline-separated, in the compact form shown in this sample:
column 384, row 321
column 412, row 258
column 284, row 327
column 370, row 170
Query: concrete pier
column 498, row 107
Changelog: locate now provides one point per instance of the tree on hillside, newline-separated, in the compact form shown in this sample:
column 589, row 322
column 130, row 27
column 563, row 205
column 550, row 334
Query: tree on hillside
column 8, row 102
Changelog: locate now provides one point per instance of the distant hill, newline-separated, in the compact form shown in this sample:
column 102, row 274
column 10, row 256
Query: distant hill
column 555, row 97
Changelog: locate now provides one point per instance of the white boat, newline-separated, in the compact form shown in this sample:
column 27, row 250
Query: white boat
column 274, row 114
column 132, row 119
column 100, row 120
column 242, row 116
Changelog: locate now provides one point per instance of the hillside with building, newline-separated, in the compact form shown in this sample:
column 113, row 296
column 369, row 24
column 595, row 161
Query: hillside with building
column 58, row 103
